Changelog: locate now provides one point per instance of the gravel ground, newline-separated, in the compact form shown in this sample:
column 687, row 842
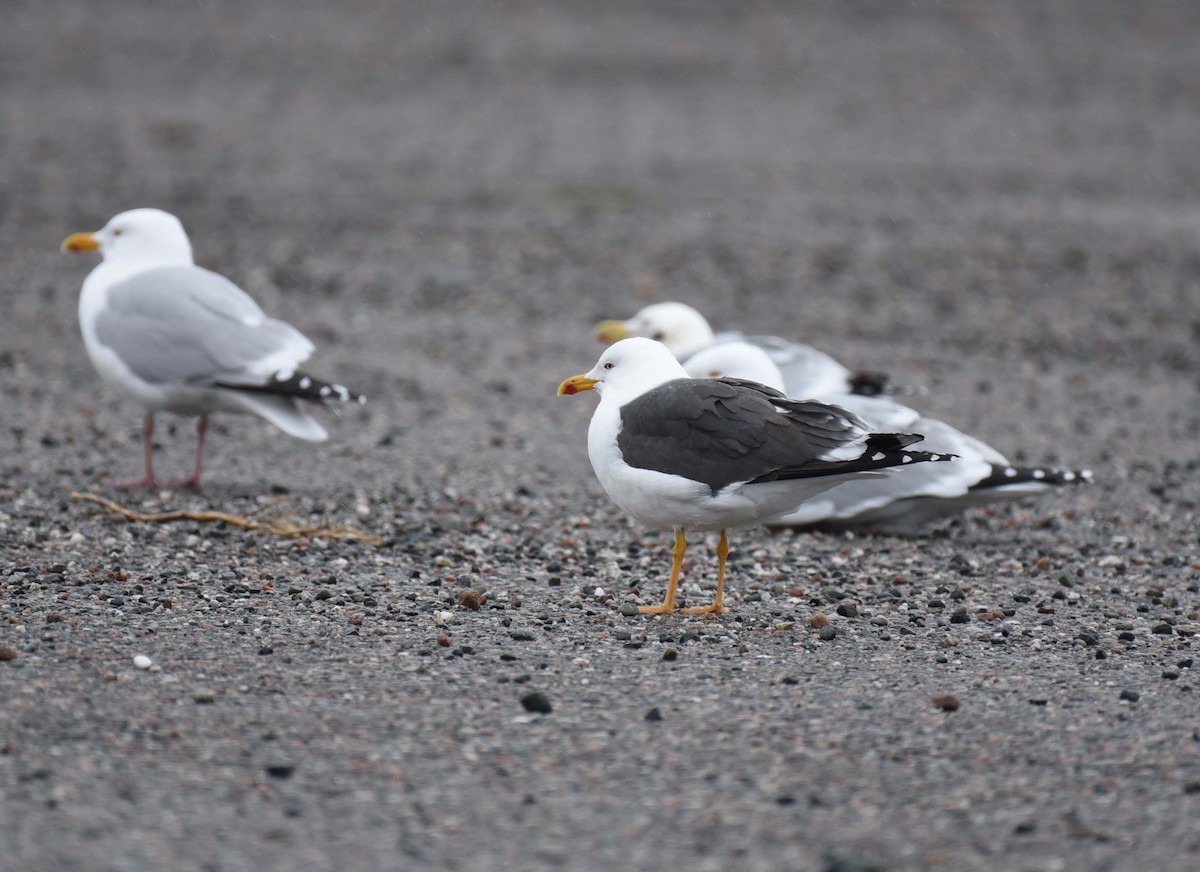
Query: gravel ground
column 994, row 199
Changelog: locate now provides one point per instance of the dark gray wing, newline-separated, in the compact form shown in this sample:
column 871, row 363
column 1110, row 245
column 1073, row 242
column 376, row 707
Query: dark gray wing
column 185, row 324
column 722, row 431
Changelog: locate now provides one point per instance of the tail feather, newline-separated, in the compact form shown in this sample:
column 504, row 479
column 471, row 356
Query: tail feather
column 284, row 412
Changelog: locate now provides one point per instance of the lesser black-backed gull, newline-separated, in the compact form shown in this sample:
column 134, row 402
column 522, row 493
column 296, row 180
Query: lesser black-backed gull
column 710, row 454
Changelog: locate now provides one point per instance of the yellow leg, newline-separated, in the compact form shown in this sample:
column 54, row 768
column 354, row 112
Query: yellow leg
column 668, row 604
column 717, row 607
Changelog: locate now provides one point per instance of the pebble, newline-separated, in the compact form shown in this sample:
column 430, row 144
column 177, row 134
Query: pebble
column 828, row 633
column 629, row 610
column 818, row 620
column 671, row 654
column 537, row 702
column 848, row 610
column 204, row 697
column 946, row 702
column 654, row 715
column 141, row 661
column 280, row 770
column 1130, row 695
column 469, row 598
column 7, row 654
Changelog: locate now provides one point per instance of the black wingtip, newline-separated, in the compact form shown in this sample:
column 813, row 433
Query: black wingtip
column 868, row 383
column 301, row 386
column 1053, row 476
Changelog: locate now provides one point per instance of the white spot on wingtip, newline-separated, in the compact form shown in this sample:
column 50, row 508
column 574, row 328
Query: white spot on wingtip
column 906, row 459
column 1068, row 475
column 305, row 383
column 1010, row 473
column 1039, row 474
column 878, row 455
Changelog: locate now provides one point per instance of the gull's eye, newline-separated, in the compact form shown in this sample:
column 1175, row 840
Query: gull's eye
column 609, row 365
column 714, row 373
column 658, row 336
column 117, row 231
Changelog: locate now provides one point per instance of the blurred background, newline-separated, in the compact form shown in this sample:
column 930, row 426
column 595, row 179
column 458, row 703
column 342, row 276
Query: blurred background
column 447, row 196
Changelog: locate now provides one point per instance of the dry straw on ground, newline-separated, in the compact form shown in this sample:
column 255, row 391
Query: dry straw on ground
column 275, row 525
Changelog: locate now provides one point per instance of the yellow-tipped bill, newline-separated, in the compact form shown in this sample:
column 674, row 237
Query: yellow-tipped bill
column 609, row 332
column 80, row 242
column 575, row 384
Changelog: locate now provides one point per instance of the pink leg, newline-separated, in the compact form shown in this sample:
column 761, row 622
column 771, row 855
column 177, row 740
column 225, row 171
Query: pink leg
column 201, row 428
column 147, row 479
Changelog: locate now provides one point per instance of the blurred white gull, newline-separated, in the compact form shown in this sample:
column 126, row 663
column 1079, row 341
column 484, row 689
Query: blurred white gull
column 179, row 338
column 914, row 496
column 806, row 371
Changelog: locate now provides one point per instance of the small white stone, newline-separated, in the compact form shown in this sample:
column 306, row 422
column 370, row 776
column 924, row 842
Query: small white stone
column 444, row 619
column 141, row 661
column 76, row 539
column 598, row 593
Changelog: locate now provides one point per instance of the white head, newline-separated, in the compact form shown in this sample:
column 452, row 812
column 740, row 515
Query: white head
column 676, row 325
column 736, row 359
column 627, row 369
column 149, row 236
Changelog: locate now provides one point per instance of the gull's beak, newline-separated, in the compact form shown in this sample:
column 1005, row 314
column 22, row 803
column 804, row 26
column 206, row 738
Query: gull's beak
column 609, row 332
column 575, row 384
column 81, row 242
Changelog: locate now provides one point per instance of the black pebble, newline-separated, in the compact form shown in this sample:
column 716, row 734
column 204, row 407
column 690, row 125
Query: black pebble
column 537, row 702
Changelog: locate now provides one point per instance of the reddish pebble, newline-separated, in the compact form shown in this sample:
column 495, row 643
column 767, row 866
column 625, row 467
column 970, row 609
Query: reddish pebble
column 469, row 598
column 817, row 621
column 443, row 640
column 1043, row 564
column 946, row 702
column 8, row 654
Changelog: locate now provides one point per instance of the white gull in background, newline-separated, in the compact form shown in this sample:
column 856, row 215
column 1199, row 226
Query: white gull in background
column 179, row 338
column 914, row 496
column 709, row 454
column 806, row 371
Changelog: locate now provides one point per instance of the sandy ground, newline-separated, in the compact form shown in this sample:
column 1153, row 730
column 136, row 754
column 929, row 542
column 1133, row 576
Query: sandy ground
column 997, row 200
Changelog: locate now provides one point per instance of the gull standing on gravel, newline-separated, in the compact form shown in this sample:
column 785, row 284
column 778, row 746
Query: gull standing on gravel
column 708, row 454
column 807, row 371
column 179, row 338
column 914, row 496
